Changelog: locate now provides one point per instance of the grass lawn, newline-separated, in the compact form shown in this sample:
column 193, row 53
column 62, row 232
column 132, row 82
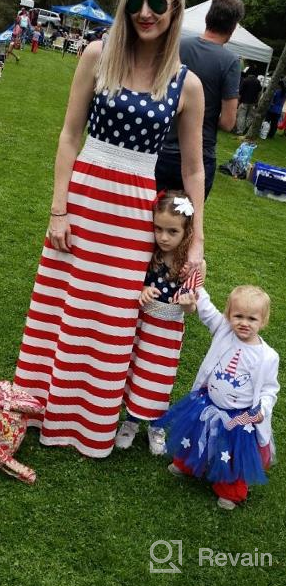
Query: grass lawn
column 86, row 522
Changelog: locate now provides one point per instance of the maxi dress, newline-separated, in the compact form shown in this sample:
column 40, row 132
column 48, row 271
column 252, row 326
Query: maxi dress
column 81, row 325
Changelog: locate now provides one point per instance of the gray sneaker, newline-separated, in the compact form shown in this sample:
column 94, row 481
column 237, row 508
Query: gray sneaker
column 175, row 470
column 125, row 436
column 226, row 504
column 156, row 437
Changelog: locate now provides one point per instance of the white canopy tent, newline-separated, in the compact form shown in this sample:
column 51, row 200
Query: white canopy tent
column 242, row 43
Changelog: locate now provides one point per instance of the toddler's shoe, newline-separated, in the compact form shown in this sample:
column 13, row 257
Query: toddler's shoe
column 175, row 470
column 226, row 504
column 126, row 434
column 156, row 437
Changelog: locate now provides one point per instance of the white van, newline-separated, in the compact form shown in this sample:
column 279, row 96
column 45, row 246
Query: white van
column 46, row 16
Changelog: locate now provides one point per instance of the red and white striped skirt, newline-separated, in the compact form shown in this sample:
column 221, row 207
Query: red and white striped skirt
column 81, row 325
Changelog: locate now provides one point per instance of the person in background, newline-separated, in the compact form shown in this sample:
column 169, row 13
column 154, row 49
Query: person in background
column 219, row 71
column 249, row 92
column 25, row 24
column 15, row 42
column 276, row 107
column 35, row 39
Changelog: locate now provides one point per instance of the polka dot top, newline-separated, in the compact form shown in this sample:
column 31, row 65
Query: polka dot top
column 159, row 279
column 134, row 120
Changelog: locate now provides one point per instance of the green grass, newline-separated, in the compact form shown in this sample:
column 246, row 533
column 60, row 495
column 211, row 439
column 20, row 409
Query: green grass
column 86, row 522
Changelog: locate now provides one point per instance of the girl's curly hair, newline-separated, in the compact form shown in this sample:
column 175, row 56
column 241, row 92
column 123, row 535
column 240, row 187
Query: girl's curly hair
column 166, row 204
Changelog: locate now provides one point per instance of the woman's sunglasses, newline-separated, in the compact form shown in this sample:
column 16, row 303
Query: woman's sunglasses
column 157, row 6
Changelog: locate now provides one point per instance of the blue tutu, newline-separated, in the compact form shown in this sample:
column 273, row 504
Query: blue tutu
column 198, row 435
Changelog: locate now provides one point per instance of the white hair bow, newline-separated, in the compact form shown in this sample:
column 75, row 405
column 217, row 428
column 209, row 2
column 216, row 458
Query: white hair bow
column 184, row 206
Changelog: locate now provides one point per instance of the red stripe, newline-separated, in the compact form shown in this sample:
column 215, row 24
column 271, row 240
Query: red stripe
column 96, row 336
column 163, row 324
column 110, row 320
column 111, row 219
column 32, row 385
column 49, row 300
column 80, row 402
column 142, row 412
column 31, row 332
column 102, row 298
column 85, row 386
column 34, row 367
column 52, row 282
column 114, row 175
column 112, row 198
column 116, row 240
column 156, row 358
column 90, row 370
column 148, row 394
column 150, row 338
column 92, row 277
column 68, row 433
column 111, row 261
column 152, row 377
column 37, row 351
column 48, row 318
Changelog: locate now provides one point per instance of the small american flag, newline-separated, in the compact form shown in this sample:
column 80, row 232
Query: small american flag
column 191, row 284
column 249, row 416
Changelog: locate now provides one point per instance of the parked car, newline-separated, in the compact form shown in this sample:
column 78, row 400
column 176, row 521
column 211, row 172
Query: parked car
column 46, row 16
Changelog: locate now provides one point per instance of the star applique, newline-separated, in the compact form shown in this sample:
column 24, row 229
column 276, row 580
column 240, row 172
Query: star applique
column 186, row 442
column 225, row 457
column 248, row 427
column 218, row 375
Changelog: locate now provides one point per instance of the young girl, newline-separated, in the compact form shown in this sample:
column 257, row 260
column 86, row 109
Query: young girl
column 223, row 428
column 164, row 299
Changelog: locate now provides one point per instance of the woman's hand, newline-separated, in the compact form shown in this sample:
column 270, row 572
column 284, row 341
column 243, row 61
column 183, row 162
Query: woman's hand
column 149, row 294
column 60, row 233
column 195, row 260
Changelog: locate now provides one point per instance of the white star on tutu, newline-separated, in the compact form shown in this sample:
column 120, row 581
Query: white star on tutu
column 186, row 442
column 248, row 427
column 225, row 457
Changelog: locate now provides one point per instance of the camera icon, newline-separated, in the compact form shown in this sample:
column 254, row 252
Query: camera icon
column 177, row 554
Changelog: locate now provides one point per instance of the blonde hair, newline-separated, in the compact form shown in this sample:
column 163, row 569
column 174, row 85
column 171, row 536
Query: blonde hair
column 252, row 294
column 166, row 204
column 117, row 59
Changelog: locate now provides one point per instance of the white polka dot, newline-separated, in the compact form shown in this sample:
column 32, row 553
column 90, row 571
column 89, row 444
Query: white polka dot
column 121, row 144
column 173, row 112
column 105, row 92
column 136, row 148
column 151, row 113
column 111, row 103
column 97, row 101
column 162, row 107
column 131, row 109
column 147, row 151
column 157, row 136
column 102, row 111
column 160, row 279
column 97, row 118
column 166, row 120
column 123, row 98
column 147, row 142
column 156, row 145
column 107, row 140
column 173, row 284
column 170, row 101
column 110, row 123
column 143, row 103
column 97, row 136
column 102, row 130
column 156, row 125
column 165, row 289
column 170, row 299
column 134, row 93
column 144, row 131
column 174, row 85
column 132, row 138
column 116, row 133
column 93, row 127
column 138, row 120
column 120, row 115
column 92, row 116
column 127, row 126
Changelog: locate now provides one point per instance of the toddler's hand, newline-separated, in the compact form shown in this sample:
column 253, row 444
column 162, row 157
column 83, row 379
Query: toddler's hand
column 187, row 301
column 149, row 294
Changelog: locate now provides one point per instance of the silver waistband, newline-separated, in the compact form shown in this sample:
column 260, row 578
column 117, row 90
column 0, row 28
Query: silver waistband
column 114, row 157
column 167, row 311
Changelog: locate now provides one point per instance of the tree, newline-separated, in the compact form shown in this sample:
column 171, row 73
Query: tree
column 266, row 98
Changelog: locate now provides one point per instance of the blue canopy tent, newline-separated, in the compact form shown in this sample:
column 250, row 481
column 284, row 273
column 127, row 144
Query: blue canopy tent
column 88, row 10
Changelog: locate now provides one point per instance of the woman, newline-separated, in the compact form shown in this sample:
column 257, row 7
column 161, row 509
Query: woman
column 82, row 320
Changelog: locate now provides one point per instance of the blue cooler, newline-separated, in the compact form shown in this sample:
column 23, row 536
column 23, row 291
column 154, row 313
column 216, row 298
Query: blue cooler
column 269, row 179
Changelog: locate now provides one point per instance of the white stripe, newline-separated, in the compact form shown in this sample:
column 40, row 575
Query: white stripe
column 140, row 382
column 110, row 230
column 101, row 269
column 112, row 186
column 53, row 273
column 50, row 291
column 157, row 350
column 91, row 417
column 36, row 360
column 83, row 359
column 100, row 327
column 111, row 290
column 74, row 425
column 160, row 369
column 42, row 326
column 92, row 343
column 166, row 334
column 113, row 250
column 105, row 385
column 75, row 393
column 39, row 342
column 71, row 441
column 28, row 375
column 77, row 303
column 46, row 309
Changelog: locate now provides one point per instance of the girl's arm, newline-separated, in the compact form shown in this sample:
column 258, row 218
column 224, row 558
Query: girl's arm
column 69, row 142
column 268, row 395
column 209, row 315
column 190, row 123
